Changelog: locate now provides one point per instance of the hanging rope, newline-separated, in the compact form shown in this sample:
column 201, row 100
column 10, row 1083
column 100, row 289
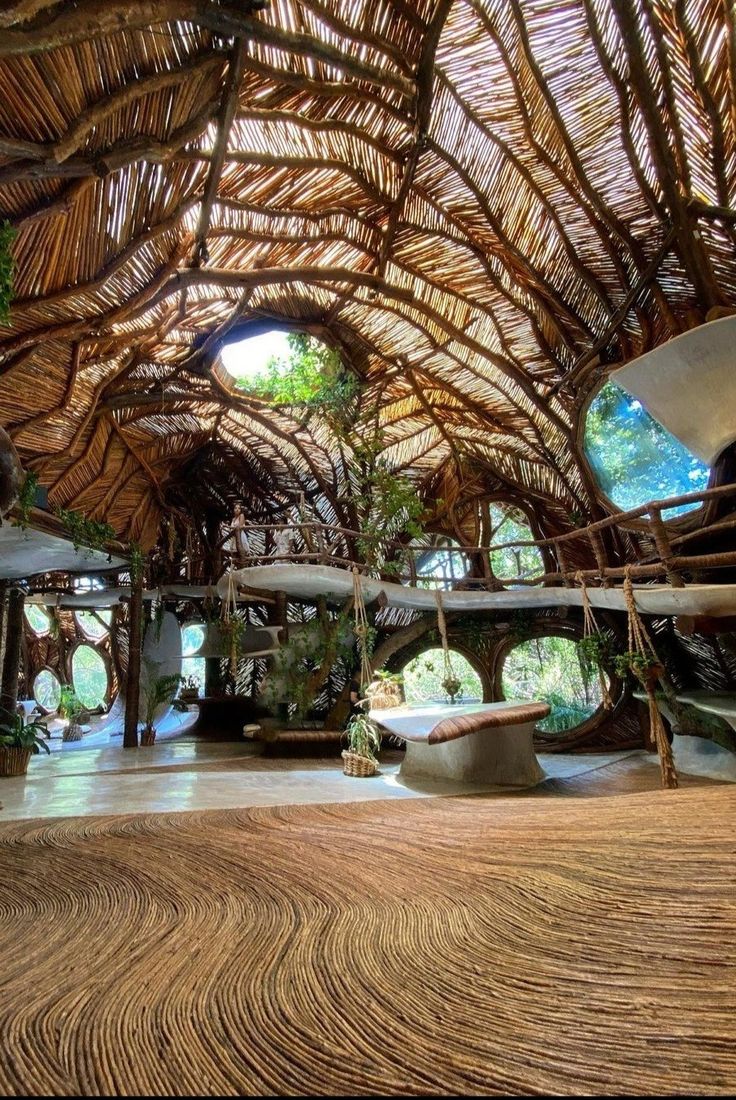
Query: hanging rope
column 590, row 630
column 648, row 675
column 449, row 671
column 230, row 624
column 362, row 631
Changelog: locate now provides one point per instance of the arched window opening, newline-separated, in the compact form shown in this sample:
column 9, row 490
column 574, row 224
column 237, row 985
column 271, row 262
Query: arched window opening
column 424, row 674
column 548, row 668
column 509, row 524
column 90, row 676
column 634, row 459
column 38, row 619
column 438, row 561
column 47, row 690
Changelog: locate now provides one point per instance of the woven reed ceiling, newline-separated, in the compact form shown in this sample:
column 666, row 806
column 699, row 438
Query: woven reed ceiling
column 481, row 202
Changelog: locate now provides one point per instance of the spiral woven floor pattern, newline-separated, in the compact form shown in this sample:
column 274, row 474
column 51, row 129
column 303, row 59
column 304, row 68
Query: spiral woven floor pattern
column 457, row 945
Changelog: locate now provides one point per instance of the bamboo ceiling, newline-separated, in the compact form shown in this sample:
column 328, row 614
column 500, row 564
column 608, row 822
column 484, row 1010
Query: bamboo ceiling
column 483, row 203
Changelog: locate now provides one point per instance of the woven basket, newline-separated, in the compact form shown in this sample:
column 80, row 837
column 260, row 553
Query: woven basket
column 14, row 761
column 358, row 766
column 148, row 736
column 73, row 732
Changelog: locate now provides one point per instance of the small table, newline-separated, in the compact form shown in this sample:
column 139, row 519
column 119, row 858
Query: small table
column 474, row 743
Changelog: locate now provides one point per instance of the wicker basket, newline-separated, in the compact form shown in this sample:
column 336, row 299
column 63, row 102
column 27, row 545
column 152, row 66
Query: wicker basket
column 358, row 766
column 14, row 761
column 73, row 732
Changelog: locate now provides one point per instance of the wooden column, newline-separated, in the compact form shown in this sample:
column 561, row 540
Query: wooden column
column 11, row 654
column 3, row 600
column 564, row 563
column 133, row 687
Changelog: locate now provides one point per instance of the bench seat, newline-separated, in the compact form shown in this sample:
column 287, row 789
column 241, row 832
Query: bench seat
column 488, row 743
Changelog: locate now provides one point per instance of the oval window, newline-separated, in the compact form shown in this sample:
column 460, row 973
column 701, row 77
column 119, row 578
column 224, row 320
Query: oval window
column 89, row 676
column 193, row 667
column 634, row 459
column 38, row 619
column 424, row 679
column 47, row 690
column 548, row 669
column 95, row 625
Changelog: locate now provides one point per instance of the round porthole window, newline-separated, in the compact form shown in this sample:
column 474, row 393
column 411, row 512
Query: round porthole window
column 548, row 668
column 47, row 690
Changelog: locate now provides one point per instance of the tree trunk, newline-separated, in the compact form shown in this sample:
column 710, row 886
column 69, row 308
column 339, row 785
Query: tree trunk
column 11, row 655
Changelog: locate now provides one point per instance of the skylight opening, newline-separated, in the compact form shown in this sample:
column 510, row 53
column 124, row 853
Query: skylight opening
column 250, row 359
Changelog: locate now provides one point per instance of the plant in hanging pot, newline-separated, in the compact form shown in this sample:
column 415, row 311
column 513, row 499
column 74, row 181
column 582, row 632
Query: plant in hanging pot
column 452, row 686
column 71, row 708
column 157, row 690
column 596, row 657
column 18, row 742
column 364, row 741
column 646, row 668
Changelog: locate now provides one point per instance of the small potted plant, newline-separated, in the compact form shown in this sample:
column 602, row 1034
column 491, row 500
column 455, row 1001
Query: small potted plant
column 452, row 686
column 189, row 691
column 646, row 668
column 387, row 690
column 19, row 740
column 364, row 741
column 71, row 708
column 157, row 691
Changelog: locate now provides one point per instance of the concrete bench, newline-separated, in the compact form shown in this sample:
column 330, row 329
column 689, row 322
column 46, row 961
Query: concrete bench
column 489, row 743
column 700, row 755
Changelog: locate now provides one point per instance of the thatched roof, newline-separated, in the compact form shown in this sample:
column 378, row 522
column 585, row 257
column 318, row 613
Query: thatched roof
column 482, row 203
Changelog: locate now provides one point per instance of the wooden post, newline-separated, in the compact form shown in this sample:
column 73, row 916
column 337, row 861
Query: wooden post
column 664, row 549
column 3, row 600
column 600, row 556
column 11, row 654
column 563, row 563
column 133, row 687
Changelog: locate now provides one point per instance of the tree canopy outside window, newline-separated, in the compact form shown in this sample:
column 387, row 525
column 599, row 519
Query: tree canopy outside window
column 423, row 678
column 548, row 669
column 634, row 458
column 509, row 524
column 89, row 676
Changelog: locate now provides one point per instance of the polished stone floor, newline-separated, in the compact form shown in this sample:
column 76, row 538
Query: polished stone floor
column 187, row 774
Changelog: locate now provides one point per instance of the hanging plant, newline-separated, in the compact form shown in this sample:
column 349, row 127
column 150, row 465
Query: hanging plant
column 137, row 563
column 452, row 686
column 596, row 658
column 26, row 499
column 84, row 532
column 645, row 667
column 232, row 631
column 7, row 270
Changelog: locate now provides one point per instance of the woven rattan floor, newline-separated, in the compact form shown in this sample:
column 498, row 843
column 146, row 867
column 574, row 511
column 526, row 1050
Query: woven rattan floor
column 472, row 944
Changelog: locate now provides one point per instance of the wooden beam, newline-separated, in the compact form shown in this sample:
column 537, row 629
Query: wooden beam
column 225, row 118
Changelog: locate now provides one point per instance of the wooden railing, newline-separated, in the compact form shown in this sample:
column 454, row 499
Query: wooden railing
column 669, row 562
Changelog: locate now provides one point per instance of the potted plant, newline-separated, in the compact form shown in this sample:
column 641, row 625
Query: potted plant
column 452, row 686
column 71, row 708
column 387, row 690
column 19, row 740
column 189, row 691
column 646, row 668
column 157, row 690
column 364, row 741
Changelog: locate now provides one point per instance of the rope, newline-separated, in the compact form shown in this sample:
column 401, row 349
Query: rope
column 442, row 627
column 362, row 630
column 640, row 642
column 590, row 627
